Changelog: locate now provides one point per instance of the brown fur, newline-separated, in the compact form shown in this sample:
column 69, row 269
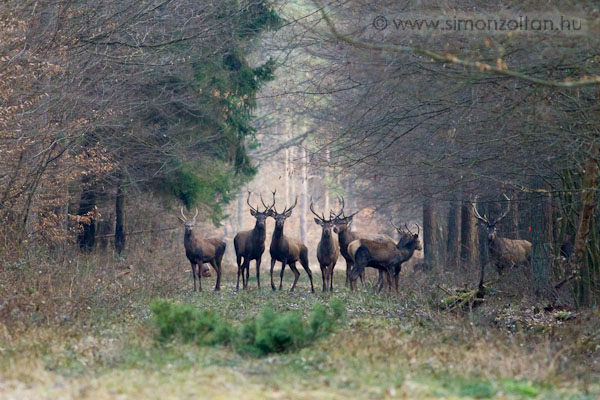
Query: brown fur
column 200, row 251
column 506, row 253
column 286, row 250
column 328, row 252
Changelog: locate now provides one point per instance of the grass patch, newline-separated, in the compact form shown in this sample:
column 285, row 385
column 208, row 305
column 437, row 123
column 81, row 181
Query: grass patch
column 269, row 332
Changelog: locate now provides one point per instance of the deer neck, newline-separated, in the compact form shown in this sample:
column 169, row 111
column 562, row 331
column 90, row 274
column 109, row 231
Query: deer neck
column 259, row 234
column 277, row 233
column 344, row 235
column 189, row 238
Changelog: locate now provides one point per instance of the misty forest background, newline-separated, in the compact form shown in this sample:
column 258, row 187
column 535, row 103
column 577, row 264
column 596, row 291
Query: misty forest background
column 116, row 114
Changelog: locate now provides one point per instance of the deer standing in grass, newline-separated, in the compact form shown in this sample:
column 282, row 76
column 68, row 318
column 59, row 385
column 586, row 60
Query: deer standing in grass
column 200, row 251
column 250, row 245
column 286, row 250
column 382, row 253
column 345, row 236
column 504, row 253
column 328, row 250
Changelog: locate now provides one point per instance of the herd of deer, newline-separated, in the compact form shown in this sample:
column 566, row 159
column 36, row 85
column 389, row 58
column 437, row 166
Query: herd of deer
column 360, row 251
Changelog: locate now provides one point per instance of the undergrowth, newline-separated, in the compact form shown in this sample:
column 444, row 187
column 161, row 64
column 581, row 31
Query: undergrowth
column 268, row 332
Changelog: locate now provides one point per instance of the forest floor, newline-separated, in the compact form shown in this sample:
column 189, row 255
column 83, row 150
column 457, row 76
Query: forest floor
column 389, row 347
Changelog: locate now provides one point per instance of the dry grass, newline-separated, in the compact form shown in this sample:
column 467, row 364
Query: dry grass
column 81, row 329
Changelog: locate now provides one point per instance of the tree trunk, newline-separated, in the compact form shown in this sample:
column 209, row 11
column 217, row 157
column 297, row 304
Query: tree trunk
column 453, row 240
column 468, row 236
column 304, row 203
column 87, row 210
column 541, row 233
column 586, row 213
column 120, row 220
column 430, row 242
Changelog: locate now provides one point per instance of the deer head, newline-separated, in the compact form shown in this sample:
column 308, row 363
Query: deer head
column 407, row 237
column 326, row 224
column 490, row 224
column 189, row 225
column 341, row 222
column 261, row 216
column 280, row 217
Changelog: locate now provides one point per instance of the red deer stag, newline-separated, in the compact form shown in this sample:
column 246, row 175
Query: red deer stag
column 250, row 245
column 342, row 228
column 504, row 253
column 328, row 250
column 408, row 243
column 200, row 251
column 287, row 250
column 382, row 253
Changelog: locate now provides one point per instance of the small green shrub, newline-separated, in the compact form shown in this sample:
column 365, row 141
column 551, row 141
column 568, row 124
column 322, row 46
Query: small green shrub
column 201, row 326
column 269, row 332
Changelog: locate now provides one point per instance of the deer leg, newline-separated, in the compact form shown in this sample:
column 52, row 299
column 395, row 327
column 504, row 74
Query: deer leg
column 283, row 264
column 217, row 269
column 199, row 276
column 380, row 281
column 348, row 269
column 245, row 268
column 194, row 274
column 388, row 277
column 362, row 278
column 239, row 264
column 272, row 266
column 296, row 275
column 330, row 273
column 324, row 274
column 247, row 274
column 309, row 273
column 258, row 271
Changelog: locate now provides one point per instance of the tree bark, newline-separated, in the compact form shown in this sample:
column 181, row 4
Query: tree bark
column 453, row 233
column 87, row 208
column 586, row 213
column 541, row 233
column 304, row 203
column 468, row 236
column 430, row 242
column 120, row 220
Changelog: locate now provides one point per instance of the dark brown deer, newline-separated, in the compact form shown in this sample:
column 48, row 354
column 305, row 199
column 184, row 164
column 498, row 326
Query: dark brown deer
column 287, row 250
column 407, row 243
column 200, row 251
column 382, row 253
column 504, row 253
column 328, row 250
column 250, row 245
column 345, row 236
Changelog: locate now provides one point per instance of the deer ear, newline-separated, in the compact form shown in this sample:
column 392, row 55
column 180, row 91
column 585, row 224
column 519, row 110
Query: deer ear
column 181, row 219
column 288, row 214
column 253, row 213
column 317, row 221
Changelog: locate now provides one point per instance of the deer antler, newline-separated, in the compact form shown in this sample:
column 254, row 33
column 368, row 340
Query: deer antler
column 183, row 215
column 287, row 210
column 322, row 218
column 195, row 215
column 274, row 208
column 267, row 208
column 505, row 212
column 418, row 229
column 483, row 219
column 398, row 229
column 248, row 202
